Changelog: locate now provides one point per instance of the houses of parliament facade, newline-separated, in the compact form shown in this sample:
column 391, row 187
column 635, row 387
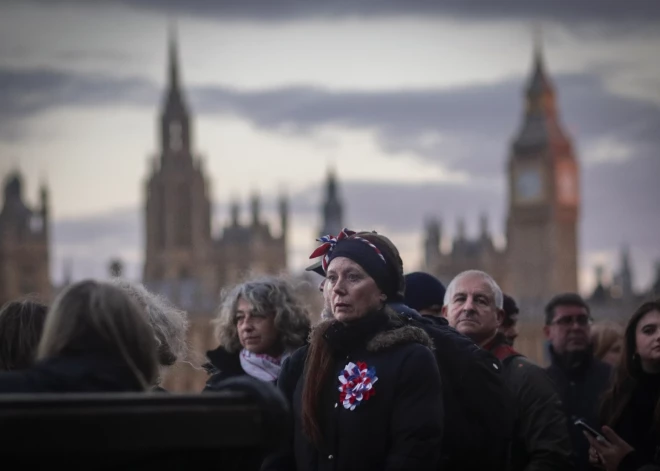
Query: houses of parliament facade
column 188, row 264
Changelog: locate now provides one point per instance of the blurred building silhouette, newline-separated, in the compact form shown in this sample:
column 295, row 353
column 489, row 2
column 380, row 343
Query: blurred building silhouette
column 180, row 246
column 184, row 260
column 24, row 244
column 540, row 257
column 332, row 209
column 614, row 298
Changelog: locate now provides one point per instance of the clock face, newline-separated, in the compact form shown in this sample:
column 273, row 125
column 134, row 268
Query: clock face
column 529, row 185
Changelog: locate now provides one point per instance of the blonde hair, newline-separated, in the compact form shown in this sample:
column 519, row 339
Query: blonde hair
column 604, row 335
column 271, row 295
column 93, row 316
column 169, row 323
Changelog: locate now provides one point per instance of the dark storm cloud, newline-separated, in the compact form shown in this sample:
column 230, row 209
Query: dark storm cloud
column 475, row 123
column 613, row 11
column 27, row 92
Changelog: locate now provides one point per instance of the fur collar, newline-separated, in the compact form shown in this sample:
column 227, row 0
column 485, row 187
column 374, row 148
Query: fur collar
column 397, row 332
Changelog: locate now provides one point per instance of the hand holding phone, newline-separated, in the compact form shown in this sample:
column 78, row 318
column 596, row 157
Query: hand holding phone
column 595, row 459
column 590, row 430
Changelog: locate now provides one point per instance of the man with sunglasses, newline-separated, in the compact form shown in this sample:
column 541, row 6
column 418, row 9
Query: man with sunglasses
column 580, row 378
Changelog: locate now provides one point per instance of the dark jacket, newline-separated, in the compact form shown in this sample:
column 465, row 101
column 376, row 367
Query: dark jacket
column 636, row 424
column 91, row 372
column 398, row 428
column 479, row 407
column 222, row 365
column 542, row 441
column 581, row 381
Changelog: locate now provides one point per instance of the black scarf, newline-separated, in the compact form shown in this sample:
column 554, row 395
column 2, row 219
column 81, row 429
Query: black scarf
column 344, row 337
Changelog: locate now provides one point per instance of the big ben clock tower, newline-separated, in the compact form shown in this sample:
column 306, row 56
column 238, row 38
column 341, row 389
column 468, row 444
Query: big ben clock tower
column 544, row 198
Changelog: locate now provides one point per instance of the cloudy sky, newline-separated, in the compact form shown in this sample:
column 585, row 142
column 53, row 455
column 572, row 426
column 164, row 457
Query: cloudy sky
column 413, row 102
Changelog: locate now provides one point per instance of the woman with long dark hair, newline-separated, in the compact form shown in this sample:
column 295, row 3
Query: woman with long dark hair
column 369, row 395
column 631, row 407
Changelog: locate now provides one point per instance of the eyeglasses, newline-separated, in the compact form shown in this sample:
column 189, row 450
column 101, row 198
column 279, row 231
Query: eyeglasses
column 581, row 319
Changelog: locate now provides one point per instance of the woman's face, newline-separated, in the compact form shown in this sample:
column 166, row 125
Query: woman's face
column 352, row 293
column 613, row 355
column 256, row 330
column 647, row 339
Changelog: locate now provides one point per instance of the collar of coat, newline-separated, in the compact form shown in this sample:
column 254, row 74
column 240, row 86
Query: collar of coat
column 377, row 331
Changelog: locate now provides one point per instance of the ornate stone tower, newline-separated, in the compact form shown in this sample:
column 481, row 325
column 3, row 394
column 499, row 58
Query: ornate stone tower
column 333, row 212
column 178, row 210
column 24, row 244
column 544, row 198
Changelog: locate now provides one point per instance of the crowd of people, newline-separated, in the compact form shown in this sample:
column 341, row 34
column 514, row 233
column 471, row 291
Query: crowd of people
column 400, row 373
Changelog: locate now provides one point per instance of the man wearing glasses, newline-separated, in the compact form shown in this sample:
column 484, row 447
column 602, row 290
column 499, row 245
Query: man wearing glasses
column 580, row 378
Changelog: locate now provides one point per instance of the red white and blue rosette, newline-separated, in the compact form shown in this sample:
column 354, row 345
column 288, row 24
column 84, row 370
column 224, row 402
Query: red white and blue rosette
column 356, row 384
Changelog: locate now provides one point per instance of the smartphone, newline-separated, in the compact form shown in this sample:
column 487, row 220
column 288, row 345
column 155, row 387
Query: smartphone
column 590, row 430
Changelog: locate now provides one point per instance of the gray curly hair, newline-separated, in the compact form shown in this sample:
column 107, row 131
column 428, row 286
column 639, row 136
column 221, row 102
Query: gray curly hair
column 168, row 323
column 267, row 294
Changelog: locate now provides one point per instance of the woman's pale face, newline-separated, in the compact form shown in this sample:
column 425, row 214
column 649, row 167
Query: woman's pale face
column 256, row 330
column 351, row 291
column 647, row 339
column 613, row 355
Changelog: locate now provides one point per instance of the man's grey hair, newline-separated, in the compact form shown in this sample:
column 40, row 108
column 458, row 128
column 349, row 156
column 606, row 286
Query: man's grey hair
column 498, row 297
column 169, row 323
column 269, row 295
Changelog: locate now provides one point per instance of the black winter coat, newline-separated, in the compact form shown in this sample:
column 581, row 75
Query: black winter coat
column 398, row 428
column 222, row 365
column 581, row 381
column 636, row 424
column 542, row 442
column 479, row 407
column 91, row 372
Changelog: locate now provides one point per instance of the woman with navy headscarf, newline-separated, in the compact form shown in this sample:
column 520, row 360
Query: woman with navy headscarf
column 368, row 394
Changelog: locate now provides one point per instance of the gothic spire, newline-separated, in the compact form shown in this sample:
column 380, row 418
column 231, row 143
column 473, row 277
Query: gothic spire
column 175, row 121
column 174, row 93
column 539, row 83
column 432, row 241
column 173, row 62
column 284, row 213
column 625, row 273
column 332, row 206
column 541, row 124
column 255, row 203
